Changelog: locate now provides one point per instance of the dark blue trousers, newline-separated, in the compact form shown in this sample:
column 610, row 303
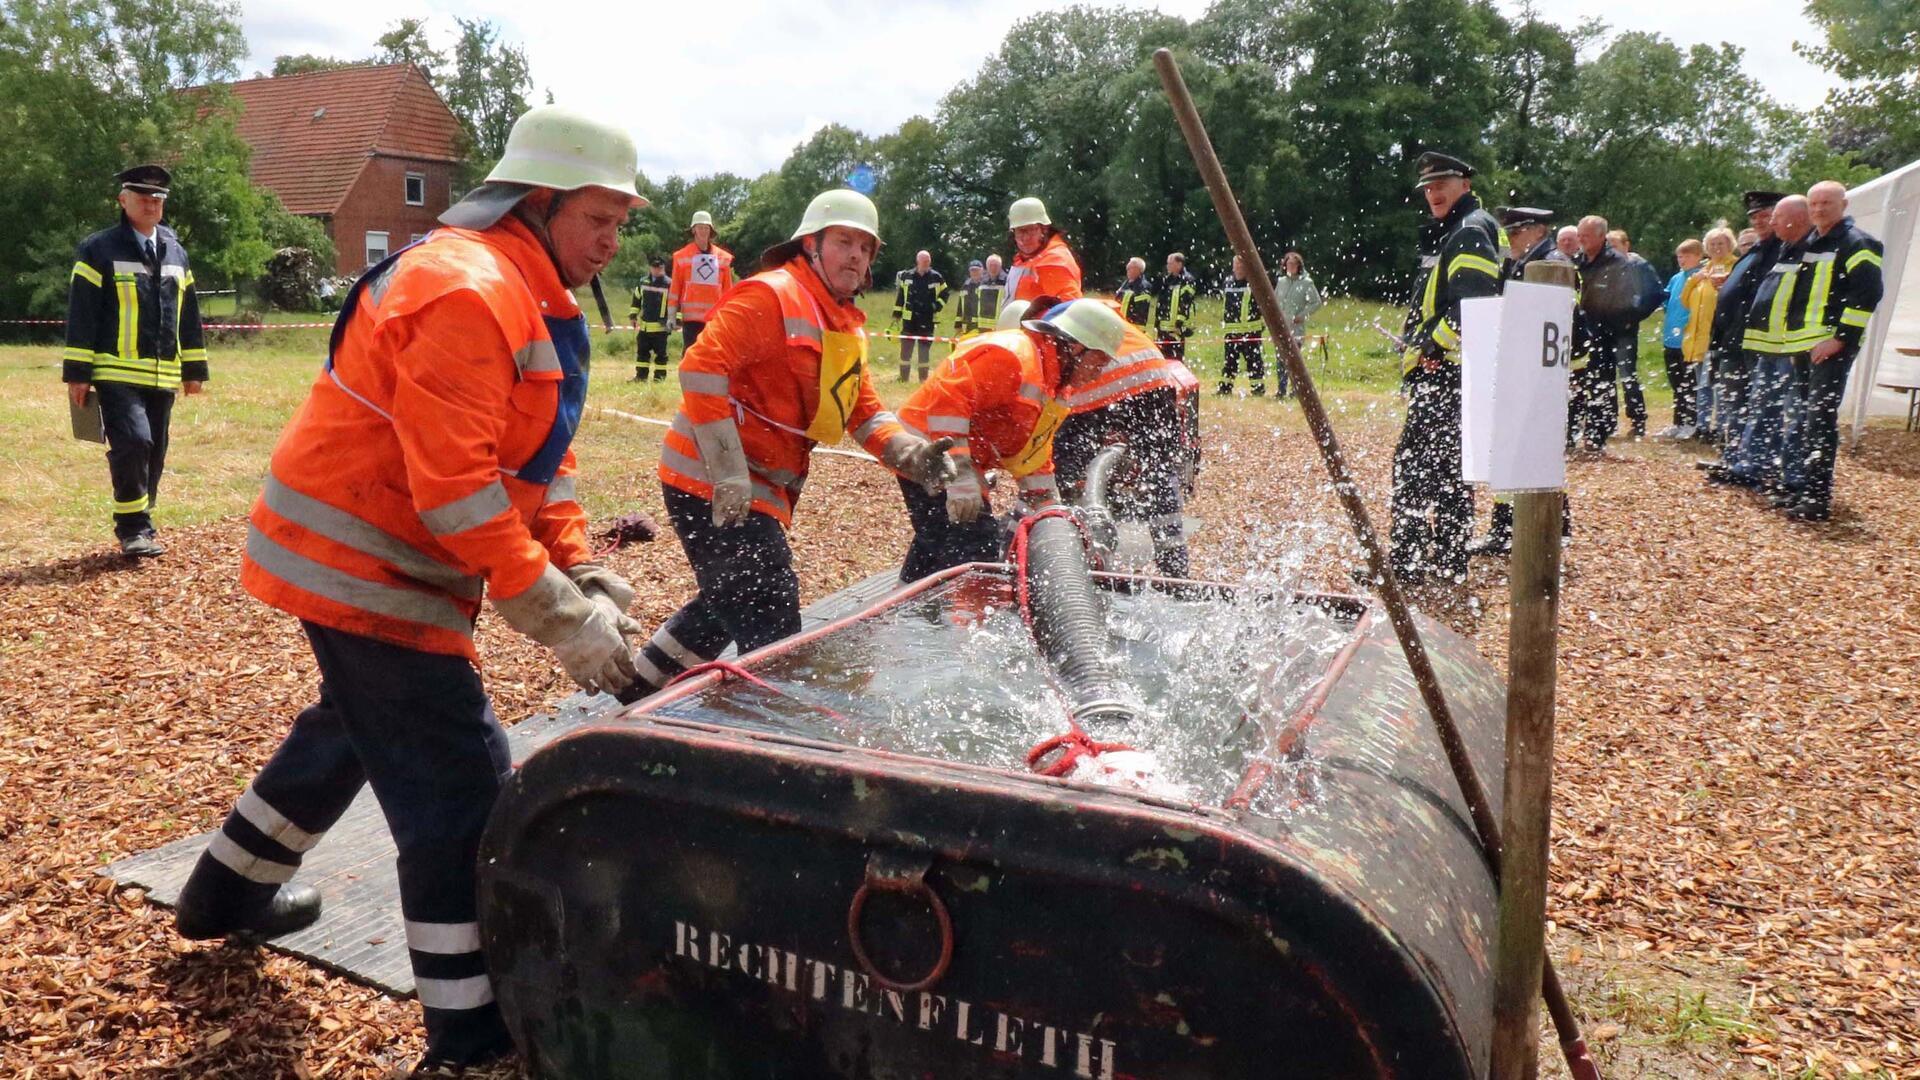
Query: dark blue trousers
column 136, row 421
column 419, row 728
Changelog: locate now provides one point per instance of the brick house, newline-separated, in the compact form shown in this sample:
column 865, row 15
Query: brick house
column 370, row 151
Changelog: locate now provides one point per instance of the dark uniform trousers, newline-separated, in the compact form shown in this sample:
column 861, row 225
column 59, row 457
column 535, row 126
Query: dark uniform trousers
column 418, row 727
column 939, row 542
column 1599, row 402
column 690, row 333
column 1732, row 383
column 749, row 595
column 1628, row 367
column 1432, row 505
column 1151, row 428
column 915, row 340
column 652, row 348
column 136, row 419
column 1818, row 389
column 1244, row 346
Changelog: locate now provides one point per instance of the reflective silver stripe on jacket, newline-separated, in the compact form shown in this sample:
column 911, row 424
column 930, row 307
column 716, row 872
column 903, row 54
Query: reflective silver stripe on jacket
column 948, row 425
column 1033, row 393
column 347, row 530
column 691, row 468
column 562, row 489
column 123, row 267
column 273, row 824
column 705, row 382
column 805, row 329
column 1117, row 386
column 865, row 431
column 343, row 588
column 536, row 356
column 468, row 511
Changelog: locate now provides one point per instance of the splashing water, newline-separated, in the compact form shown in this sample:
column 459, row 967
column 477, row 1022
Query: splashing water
column 953, row 674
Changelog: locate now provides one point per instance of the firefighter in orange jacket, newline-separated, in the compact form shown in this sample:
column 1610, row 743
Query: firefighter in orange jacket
column 702, row 274
column 1043, row 265
column 1000, row 398
column 782, row 368
column 1141, row 400
column 430, row 465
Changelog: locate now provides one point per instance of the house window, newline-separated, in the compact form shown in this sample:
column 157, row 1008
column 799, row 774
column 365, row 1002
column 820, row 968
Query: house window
column 416, row 238
column 416, row 189
column 376, row 247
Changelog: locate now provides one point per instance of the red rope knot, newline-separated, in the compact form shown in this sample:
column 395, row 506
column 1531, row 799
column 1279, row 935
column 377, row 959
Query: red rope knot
column 1072, row 747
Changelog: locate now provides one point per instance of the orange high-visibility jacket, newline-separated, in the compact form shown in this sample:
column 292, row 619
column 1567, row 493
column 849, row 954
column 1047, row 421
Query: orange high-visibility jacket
column 757, row 364
column 1053, row 271
column 430, row 460
column 1138, row 369
column 700, row 278
column 990, row 397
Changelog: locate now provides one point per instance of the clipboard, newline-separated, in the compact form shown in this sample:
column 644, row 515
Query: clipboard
column 88, row 425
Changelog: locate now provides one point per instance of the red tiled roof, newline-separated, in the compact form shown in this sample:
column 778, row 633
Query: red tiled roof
column 312, row 133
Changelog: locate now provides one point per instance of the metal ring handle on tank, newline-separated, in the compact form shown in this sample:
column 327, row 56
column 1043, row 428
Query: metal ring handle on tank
column 908, row 878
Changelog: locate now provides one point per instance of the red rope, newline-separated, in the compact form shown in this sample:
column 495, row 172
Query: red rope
column 1022, row 597
column 1072, row 746
column 728, row 668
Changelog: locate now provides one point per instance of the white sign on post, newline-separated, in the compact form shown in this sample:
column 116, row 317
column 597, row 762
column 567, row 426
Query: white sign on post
column 1515, row 355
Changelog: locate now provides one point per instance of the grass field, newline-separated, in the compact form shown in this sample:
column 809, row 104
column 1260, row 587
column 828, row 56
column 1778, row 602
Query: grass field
column 54, row 493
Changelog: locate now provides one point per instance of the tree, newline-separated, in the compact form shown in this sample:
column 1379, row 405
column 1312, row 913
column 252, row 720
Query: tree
column 1875, row 46
column 308, row 62
column 487, row 90
column 90, row 86
column 406, row 43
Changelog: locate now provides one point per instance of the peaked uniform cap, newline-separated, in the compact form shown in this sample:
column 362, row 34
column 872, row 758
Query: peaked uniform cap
column 1434, row 165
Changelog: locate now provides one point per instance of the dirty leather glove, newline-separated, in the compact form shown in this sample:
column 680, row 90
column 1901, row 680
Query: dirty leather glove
column 598, row 583
column 585, row 635
column 923, row 462
column 965, row 502
column 726, row 462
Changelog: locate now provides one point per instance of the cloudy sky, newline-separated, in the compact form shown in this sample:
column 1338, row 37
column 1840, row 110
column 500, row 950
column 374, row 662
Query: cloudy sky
column 734, row 86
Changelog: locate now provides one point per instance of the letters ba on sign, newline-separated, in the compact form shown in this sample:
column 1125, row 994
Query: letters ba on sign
column 1516, row 352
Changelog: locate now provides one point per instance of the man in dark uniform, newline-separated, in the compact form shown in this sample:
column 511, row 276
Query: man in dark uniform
column 918, row 296
column 1753, row 456
column 1530, row 239
column 1727, row 358
column 133, row 339
column 1838, row 289
column 1173, row 308
column 1459, row 259
column 1136, row 293
column 648, row 317
column 1244, row 335
column 968, row 317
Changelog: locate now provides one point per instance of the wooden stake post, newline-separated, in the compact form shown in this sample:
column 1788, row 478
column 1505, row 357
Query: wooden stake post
column 1527, row 808
column 1572, row 1045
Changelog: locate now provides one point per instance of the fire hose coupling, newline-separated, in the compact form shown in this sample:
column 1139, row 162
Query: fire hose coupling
column 1108, row 713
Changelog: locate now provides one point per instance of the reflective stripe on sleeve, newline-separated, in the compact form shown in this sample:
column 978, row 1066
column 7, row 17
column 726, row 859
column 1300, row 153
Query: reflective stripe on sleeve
column 536, row 356
column 1864, row 255
column 1855, row 317
column 87, row 274
column 704, row 382
column 468, row 511
column 1472, row 262
column 948, row 425
column 865, row 431
column 562, row 489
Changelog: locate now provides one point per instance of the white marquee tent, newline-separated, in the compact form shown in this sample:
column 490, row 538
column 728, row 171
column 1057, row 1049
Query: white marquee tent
column 1888, row 207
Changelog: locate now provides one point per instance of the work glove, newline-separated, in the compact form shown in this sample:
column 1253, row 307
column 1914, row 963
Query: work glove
column 923, row 462
column 587, row 636
column 598, row 583
column 965, row 501
column 726, row 462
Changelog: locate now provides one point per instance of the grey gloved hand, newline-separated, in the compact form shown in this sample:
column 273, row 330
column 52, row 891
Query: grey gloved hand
column 726, row 462
column 965, row 500
column 585, row 634
column 598, row 582
column 923, row 462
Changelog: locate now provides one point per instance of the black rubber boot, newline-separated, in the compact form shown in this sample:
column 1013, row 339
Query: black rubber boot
column 217, row 903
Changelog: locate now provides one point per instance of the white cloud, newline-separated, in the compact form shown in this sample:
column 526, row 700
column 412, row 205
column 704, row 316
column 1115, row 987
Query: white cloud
column 735, row 86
